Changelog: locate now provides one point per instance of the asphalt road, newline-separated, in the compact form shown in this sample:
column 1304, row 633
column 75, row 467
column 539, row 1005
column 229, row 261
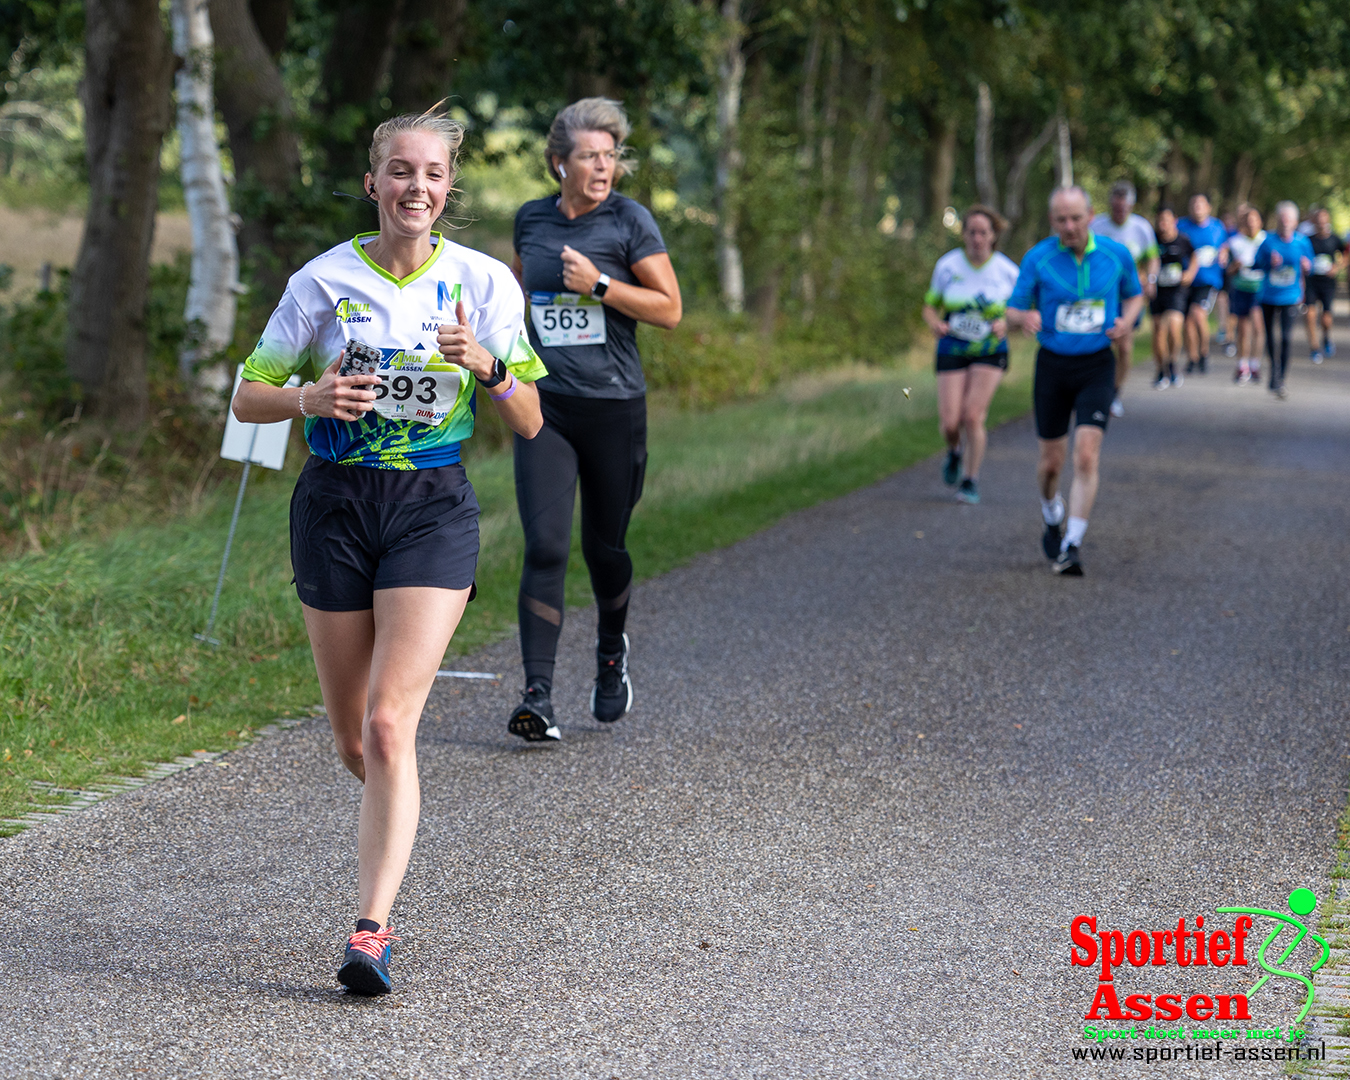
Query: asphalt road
column 880, row 758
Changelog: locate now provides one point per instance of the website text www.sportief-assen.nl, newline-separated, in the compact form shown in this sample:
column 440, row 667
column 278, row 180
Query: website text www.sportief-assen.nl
column 1213, row 1052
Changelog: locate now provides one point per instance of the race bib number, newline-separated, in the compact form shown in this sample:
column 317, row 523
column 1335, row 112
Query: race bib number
column 1284, row 276
column 567, row 319
column 1206, row 255
column 1081, row 317
column 416, row 389
column 1169, row 275
column 1322, row 265
column 968, row 326
column 1251, row 277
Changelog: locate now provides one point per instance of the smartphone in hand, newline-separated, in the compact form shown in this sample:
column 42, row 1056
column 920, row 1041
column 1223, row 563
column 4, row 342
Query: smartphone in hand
column 360, row 359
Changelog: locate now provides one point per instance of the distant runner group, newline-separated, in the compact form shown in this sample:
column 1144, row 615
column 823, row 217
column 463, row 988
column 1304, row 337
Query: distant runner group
column 1082, row 291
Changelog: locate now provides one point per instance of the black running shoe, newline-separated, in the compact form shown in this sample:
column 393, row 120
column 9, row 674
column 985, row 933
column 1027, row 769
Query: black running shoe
column 951, row 468
column 1203, row 364
column 532, row 719
column 1190, row 367
column 612, row 695
column 1051, row 539
column 365, row 967
column 1068, row 563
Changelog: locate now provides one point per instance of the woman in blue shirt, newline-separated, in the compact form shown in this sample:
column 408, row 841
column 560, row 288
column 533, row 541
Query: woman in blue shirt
column 1285, row 255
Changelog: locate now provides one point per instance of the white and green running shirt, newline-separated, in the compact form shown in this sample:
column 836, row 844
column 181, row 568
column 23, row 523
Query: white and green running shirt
column 970, row 299
column 342, row 295
column 1136, row 234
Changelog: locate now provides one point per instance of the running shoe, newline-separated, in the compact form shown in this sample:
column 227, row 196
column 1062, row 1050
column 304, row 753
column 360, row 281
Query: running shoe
column 1051, row 538
column 1317, row 356
column 532, row 719
column 968, row 492
column 1178, row 378
column 1190, row 367
column 951, row 468
column 1239, row 372
column 612, row 695
column 1230, row 350
column 1281, row 392
column 1068, row 563
column 1244, row 377
column 365, row 966
column 1162, row 382
column 1117, row 409
column 1202, row 365
column 1330, row 349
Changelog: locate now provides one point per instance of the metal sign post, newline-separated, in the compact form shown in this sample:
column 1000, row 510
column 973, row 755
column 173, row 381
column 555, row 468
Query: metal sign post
column 266, row 445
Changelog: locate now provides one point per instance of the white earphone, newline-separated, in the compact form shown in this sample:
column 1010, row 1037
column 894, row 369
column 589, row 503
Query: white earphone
column 562, row 172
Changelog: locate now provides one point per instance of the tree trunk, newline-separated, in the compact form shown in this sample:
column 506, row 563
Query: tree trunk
column 868, row 135
column 209, row 312
column 1064, row 161
column 730, row 78
column 1016, row 184
column 1244, row 177
column 426, row 48
column 258, row 115
column 806, row 152
column 940, row 165
column 1204, row 171
column 272, row 17
column 829, row 126
column 985, row 183
column 126, row 96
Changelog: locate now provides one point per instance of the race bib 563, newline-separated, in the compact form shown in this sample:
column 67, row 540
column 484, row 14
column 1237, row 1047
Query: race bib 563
column 567, row 319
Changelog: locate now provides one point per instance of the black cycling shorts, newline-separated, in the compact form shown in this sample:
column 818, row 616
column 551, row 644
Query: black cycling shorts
column 1203, row 297
column 1172, row 298
column 1072, row 387
column 952, row 362
column 355, row 530
column 1321, row 290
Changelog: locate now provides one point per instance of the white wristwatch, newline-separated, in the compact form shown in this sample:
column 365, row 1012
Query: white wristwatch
column 601, row 287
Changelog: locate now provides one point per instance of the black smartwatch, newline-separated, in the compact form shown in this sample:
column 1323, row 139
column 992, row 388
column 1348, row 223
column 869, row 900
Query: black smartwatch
column 601, row 287
column 498, row 374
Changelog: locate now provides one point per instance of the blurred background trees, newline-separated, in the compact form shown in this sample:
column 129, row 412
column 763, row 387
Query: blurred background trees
column 806, row 158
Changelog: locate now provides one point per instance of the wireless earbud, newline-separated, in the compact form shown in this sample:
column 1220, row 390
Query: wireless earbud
column 562, row 172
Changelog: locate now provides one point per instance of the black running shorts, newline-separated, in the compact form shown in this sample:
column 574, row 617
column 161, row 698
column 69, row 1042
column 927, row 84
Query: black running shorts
column 952, row 362
column 1172, row 298
column 1072, row 387
column 1321, row 290
column 355, row 530
column 1203, row 297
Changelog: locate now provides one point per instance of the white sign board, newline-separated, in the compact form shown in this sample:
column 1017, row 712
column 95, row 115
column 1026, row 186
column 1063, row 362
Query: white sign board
column 268, row 441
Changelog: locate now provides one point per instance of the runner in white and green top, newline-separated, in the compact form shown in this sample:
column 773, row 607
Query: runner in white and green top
column 964, row 308
column 1244, row 308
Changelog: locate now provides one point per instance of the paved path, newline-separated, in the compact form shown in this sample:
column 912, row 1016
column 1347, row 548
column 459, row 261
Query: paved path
column 881, row 757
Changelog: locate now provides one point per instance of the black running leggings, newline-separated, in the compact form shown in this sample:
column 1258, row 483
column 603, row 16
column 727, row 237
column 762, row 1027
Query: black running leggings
column 1285, row 315
column 603, row 444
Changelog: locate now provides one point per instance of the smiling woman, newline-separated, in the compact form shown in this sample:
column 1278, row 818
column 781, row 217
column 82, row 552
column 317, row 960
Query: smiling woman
column 384, row 521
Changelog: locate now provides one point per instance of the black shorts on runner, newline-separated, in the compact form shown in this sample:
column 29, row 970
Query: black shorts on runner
column 952, row 362
column 1072, row 387
column 1321, row 290
column 1203, row 297
column 355, row 530
column 1172, row 298
column 1241, row 303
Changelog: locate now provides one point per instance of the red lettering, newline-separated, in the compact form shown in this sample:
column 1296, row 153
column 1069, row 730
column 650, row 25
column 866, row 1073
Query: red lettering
column 1161, row 939
column 1113, row 952
column 1136, row 949
column 1137, row 1007
column 1199, row 1007
column 1183, row 955
column 1105, row 998
column 1240, row 929
column 1168, row 1007
column 1226, row 1006
column 1219, row 946
column 1084, row 941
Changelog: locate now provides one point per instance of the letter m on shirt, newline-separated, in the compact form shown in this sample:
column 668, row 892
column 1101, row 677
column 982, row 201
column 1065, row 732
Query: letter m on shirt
column 446, row 295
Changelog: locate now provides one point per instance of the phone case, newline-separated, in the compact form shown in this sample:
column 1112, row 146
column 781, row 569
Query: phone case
column 360, row 359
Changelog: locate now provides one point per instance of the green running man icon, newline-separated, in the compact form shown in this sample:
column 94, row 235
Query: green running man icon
column 1301, row 902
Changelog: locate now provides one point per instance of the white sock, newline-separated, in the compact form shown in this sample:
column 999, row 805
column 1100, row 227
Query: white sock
column 1052, row 510
column 1074, row 533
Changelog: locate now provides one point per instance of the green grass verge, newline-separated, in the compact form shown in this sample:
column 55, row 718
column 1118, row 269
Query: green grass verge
column 99, row 672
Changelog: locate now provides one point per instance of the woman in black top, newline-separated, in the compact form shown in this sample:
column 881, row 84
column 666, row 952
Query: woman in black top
column 593, row 265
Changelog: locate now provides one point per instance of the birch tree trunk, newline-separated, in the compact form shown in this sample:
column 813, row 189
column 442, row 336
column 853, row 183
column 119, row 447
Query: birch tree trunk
column 1065, row 162
column 1021, row 168
column 730, row 79
column 210, row 309
column 806, row 149
column 985, row 183
column 128, row 77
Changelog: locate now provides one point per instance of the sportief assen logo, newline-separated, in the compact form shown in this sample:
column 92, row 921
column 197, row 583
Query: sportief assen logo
column 1220, row 944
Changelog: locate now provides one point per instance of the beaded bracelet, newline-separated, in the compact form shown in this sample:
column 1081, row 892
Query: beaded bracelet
column 302, row 399
column 503, row 397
